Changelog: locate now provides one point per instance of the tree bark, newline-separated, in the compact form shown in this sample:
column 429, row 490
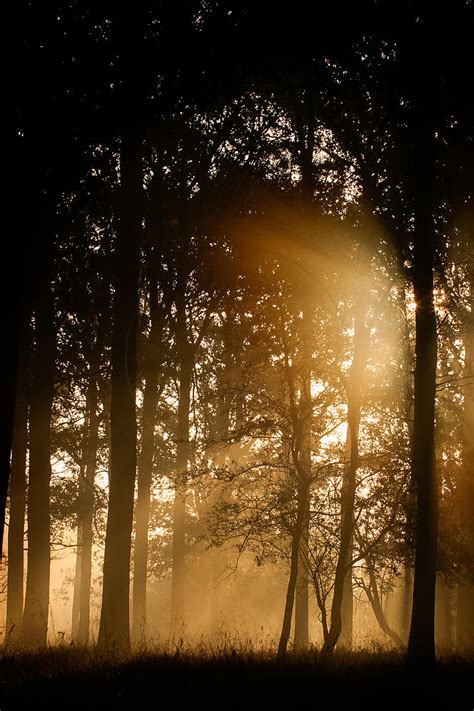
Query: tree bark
column 114, row 618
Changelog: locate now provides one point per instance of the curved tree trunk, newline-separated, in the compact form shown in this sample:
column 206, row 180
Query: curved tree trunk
column 354, row 392
column 295, row 552
column 374, row 599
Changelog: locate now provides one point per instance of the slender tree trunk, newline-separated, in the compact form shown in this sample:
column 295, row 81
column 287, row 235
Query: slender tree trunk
column 444, row 627
column 301, row 598
column 35, row 617
column 406, row 597
column 186, row 357
column 87, row 499
column 421, row 645
column 145, row 467
column 347, row 608
column 374, row 599
column 228, row 379
column 295, row 551
column 77, row 576
column 86, row 503
column 465, row 488
column 354, row 392
column 114, row 618
column 347, row 604
column 16, row 529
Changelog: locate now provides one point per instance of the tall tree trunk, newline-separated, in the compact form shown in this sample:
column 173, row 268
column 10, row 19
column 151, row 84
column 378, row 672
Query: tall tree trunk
column 16, row 529
column 114, row 618
column 406, row 593
column 186, row 363
column 145, row 467
column 421, row 643
column 227, row 381
column 35, row 617
column 354, row 392
column 465, row 488
column 14, row 280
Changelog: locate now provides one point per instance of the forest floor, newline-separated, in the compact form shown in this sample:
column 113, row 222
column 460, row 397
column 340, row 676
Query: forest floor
column 71, row 677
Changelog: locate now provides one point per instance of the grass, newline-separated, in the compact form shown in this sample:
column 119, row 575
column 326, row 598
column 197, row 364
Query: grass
column 230, row 678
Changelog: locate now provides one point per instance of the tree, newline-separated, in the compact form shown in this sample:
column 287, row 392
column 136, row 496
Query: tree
column 35, row 616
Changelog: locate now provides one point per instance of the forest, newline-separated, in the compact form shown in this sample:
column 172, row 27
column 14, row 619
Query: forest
column 238, row 381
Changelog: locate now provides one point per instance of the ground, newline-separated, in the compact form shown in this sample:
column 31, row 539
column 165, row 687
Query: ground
column 86, row 679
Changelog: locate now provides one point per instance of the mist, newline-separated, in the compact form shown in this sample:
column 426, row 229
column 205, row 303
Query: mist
column 238, row 383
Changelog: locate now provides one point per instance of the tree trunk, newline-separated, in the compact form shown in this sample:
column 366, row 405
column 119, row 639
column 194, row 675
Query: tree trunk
column 145, row 467
column 16, row 529
column 354, row 392
column 35, row 617
column 228, row 380
column 76, row 596
column 374, row 599
column 301, row 639
column 295, row 552
column 421, row 644
column 406, row 597
column 444, row 628
column 465, row 493
column 14, row 282
column 347, row 607
column 186, row 357
column 87, row 499
column 347, row 604
column 114, row 618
